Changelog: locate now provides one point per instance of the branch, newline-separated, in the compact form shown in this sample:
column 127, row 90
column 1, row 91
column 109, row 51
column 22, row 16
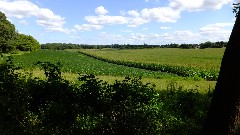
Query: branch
column 236, row 7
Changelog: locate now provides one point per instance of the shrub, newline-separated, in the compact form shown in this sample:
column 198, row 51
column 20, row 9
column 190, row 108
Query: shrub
column 91, row 106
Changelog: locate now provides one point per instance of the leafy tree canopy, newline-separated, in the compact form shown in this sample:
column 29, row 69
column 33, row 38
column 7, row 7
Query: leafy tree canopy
column 7, row 32
column 12, row 41
column 26, row 43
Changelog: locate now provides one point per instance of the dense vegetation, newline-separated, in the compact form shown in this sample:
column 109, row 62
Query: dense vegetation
column 207, row 59
column 11, row 41
column 208, row 44
column 62, row 46
column 178, row 70
column 187, row 63
column 90, row 106
column 74, row 62
column 54, row 105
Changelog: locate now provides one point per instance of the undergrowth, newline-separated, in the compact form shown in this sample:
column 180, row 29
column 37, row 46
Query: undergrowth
column 91, row 106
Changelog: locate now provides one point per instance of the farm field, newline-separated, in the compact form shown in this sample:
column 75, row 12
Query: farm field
column 209, row 59
column 74, row 63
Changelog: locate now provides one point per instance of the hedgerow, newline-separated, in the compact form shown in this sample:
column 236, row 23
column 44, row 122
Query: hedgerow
column 91, row 106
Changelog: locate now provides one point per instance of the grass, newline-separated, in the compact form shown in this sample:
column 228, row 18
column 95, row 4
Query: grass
column 161, row 84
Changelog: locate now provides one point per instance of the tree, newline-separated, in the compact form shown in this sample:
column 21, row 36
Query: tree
column 224, row 114
column 11, row 41
column 207, row 44
column 7, row 32
column 26, row 43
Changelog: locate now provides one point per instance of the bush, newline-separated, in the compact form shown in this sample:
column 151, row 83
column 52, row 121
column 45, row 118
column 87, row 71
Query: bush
column 91, row 106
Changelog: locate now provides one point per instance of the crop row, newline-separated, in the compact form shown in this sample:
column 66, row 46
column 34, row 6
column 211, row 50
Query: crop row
column 209, row 75
column 73, row 62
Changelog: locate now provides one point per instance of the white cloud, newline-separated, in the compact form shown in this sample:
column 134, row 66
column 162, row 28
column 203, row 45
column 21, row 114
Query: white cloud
column 216, row 26
column 185, row 36
column 196, row 5
column 105, row 19
column 216, row 32
column 212, row 32
column 134, row 22
column 133, row 13
column 154, row 35
column 161, row 14
column 165, row 28
column 138, row 36
column 24, row 8
column 109, row 38
column 101, row 10
column 88, row 27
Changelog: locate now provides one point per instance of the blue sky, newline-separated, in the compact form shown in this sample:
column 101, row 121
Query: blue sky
column 122, row 21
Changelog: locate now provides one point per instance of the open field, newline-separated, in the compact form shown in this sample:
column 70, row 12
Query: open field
column 209, row 58
column 89, row 102
column 75, row 63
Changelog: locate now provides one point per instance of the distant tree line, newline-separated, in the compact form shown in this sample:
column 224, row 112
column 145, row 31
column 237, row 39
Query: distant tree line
column 12, row 41
column 62, row 46
column 208, row 44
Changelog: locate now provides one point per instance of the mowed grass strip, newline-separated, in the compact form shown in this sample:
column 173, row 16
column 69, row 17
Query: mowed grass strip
column 208, row 59
column 74, row 62
column 160, row 84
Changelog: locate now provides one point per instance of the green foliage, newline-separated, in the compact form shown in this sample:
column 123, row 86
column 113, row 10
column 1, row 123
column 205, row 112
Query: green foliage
column 207, row 59
column 74, row 62
column 236, row 8
column 7, row 32
column 179, row 70
column 11, row 41
column 185, row 109
column 63, row 46
column 26, row 43
column 55, row 106
column 209, row 44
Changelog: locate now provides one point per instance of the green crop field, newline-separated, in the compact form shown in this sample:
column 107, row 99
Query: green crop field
column 60, row 98
column 187, row 63
column 75, row 63
column 208, row 59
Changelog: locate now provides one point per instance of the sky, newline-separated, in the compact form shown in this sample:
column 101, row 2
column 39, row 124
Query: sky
column 106, row 22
